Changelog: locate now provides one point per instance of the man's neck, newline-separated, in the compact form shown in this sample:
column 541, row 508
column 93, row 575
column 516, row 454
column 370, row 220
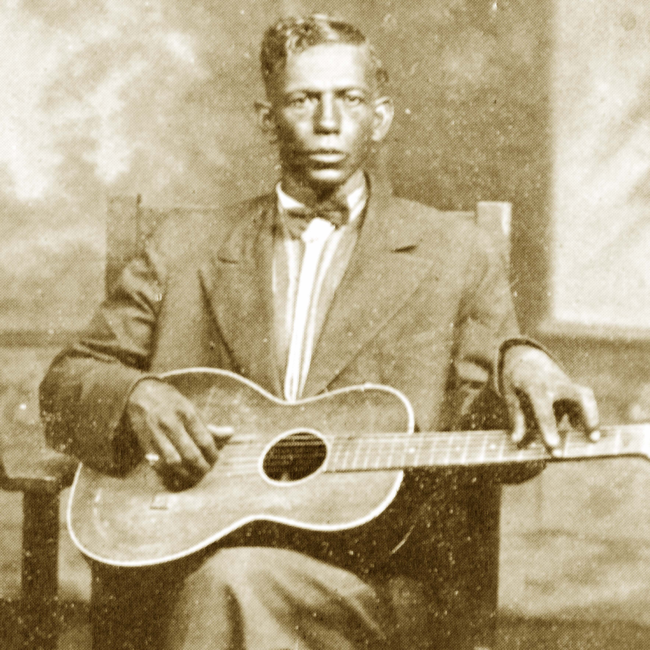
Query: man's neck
column 310, row 196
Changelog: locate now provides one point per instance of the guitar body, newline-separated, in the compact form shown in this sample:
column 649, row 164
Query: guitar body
column 263, row 474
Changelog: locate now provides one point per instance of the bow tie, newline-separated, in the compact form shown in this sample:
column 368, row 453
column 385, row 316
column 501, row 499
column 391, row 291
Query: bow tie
column 334, row 211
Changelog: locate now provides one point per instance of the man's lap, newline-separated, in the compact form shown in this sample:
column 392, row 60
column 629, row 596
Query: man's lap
column 271, row 599
column 243, row 597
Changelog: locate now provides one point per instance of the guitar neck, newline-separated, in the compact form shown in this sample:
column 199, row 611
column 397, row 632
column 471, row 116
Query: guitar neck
column 468, row 448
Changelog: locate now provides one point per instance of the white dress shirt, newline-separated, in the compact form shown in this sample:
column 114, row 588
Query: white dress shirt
column 314, row 264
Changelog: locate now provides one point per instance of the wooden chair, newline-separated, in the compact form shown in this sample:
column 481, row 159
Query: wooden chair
column 40, row 473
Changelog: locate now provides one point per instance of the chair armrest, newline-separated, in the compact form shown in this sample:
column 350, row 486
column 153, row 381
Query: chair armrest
column 40, row 473
column 27, row 465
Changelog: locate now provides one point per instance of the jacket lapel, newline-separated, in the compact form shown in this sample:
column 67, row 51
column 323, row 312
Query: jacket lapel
column 380, row 278
column 238, row 283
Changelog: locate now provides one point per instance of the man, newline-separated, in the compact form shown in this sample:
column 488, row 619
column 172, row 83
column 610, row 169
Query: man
column 327, row 282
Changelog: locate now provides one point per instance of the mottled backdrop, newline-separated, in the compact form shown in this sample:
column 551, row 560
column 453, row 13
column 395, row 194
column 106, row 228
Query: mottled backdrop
column 111, row 96
column 601, row 163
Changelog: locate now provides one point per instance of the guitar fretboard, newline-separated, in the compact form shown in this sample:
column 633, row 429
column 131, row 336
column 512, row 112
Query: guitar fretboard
column 463, row 448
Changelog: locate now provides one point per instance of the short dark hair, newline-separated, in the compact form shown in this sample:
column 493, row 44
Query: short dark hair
column 296, row 34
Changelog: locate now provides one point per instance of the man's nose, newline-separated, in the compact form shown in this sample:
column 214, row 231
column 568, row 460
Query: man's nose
column 328, row 115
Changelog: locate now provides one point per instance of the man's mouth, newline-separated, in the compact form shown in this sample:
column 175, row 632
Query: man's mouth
column 326, row 156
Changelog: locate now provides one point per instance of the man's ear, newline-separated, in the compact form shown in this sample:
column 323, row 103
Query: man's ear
column 265, row 116
column 383, row 118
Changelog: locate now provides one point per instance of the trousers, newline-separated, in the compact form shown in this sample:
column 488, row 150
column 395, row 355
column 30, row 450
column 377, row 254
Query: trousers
column 253, row 598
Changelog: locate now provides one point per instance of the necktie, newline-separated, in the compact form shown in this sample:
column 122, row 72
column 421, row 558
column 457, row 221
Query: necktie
column 335, row 211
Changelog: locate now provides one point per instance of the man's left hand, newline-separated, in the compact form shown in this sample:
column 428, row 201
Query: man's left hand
column 539, row 394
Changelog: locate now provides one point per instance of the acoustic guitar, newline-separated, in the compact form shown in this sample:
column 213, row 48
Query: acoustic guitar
column 327, row 463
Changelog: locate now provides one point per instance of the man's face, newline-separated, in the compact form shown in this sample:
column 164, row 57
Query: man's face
column 324, row 109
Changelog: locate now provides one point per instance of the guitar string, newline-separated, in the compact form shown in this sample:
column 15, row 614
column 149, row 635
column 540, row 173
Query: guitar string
column 251, row 461
column 469, row 442
column 246, row 465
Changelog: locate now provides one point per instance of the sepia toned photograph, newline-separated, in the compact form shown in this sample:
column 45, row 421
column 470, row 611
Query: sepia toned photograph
column 325, row 325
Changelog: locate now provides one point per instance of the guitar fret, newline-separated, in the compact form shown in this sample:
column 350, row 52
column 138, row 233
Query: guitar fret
column 356, row 453
column 450, row 444
column 330, row 460
column 344, row 464
column 367, row 453
column 409, row 451
column 422, row 449
column 387, row 458
column 391, row 451
column 366, row 457
column 405, row 448
column 433, row 441
column 463, row 458
column 337, row 455
column 345, row 450
column 495, row 448
column 471, row 450
column 377, row 455
column 406, row 454
column 417, row 451
column 380, row 458
column 481, row 457
column 426, row 449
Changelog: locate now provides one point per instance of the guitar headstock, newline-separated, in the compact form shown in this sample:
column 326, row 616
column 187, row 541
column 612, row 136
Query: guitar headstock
column 615, row 440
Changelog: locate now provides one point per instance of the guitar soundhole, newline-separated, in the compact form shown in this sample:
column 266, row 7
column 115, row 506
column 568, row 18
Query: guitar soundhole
column 294, row 457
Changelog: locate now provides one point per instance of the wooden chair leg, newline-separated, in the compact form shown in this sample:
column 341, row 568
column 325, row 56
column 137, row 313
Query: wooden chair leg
column 40, row 582
column 485, row 510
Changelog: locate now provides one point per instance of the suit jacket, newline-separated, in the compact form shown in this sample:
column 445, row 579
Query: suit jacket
column 423, row 307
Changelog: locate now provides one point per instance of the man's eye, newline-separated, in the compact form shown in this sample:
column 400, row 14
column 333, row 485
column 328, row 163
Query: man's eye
column 298, row 101
column 353, row 99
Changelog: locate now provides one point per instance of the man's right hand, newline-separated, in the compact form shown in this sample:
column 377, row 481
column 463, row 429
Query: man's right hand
column 168, row 428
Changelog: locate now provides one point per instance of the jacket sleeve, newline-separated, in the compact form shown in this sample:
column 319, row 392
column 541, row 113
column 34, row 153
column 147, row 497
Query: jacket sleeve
column 486, row 318
column 486, row 321
column 84, row 393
